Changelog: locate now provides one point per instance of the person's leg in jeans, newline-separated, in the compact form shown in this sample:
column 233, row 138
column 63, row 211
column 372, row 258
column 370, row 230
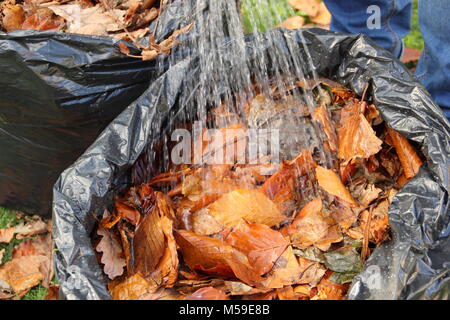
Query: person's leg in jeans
column 352, row 16
column 433, row 70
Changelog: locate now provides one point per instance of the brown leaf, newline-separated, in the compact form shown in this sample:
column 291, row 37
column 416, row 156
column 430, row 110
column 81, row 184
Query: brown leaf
column 286, row 293
column 262, row 245
column 90, row 20
column 132, row 288
column 149, row 54
column 285, row 272
column 30, row 228
column 53, row 293
column 112, row 256
column 311, row 226
column 285, row 187
column 207, row 293
column 149, row 243
column 409, row 159
column 41, row 245
column 22, row 273
column 322, row 116
column 251, row 205
column 312, row 272
column 14, row 16
column 215, row 257
column 331, row 183
column 124, row 48
column 357, row 139
column 43, row 19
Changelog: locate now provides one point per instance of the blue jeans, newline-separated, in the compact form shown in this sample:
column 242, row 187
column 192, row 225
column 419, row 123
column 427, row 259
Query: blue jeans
column 433, row 70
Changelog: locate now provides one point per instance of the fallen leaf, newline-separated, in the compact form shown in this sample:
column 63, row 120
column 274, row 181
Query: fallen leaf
column 90, row 20
column 285, row 272
column 286, row 293
column 124, row 48
column 357, row 139
column 409, row 159
column 14, row 16
column 53, row 293
column 132, row 288
column 43, row 19
column 30, row 228
column 215, row 257
column 6, row 235
column 322, row 116
column 251, row 205
column 112, row 256
column 22, row 273
column 312, row 272
column 262, row 245
column 331, row 183
column 311, row 226
column 207, row 293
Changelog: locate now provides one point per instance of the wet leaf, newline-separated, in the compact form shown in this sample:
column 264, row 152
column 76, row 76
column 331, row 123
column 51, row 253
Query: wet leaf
column 285, row 272
column 251, row 205
column 331, row 183
column 322, row 116
column 215, row 257
column 311, row 226
column 262, row 245
column 207, row 293
column 357, row 139
column 14, row 16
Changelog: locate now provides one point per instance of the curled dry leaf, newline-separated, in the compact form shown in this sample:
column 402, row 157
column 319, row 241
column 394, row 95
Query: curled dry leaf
column 112, row 256
column 357, row 139
column 251, row 205
column 262, row 245
column 311, row 226
column 409, row 159
column 208, row 293
column 331, row 183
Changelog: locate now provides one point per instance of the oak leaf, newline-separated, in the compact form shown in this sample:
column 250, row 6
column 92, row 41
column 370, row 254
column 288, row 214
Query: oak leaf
column 112, row 258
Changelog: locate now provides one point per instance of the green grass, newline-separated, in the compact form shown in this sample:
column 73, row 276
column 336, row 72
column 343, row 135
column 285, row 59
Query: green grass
column 7, row 218
column 36, row 293
column 414, row 39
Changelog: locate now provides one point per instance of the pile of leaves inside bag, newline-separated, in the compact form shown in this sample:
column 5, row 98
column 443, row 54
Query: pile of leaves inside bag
column 296, row 230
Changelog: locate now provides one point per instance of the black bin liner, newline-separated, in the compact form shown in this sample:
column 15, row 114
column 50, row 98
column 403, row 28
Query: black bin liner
column 57, row 94
column 415, row 264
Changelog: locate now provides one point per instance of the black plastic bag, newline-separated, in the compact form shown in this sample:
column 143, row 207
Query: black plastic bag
column 58, row 92
column 414, row 264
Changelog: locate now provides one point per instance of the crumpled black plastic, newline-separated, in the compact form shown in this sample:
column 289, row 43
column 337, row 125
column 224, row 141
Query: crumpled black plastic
column 58, row 92
column 415, row 264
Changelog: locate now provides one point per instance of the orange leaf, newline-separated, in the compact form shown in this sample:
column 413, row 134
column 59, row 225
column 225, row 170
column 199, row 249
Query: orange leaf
column 322, row 116
column 262, row 245
column 285, row 272
column 356, row 137
column 132, row 288
column 295, row 22
column 6, row 235
column 215, row 257
column 408, row 157
column 23, row 273
column 311, row 226
column 251, row 205
column 331, row 183
column 14, row 16
column 124, row 48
